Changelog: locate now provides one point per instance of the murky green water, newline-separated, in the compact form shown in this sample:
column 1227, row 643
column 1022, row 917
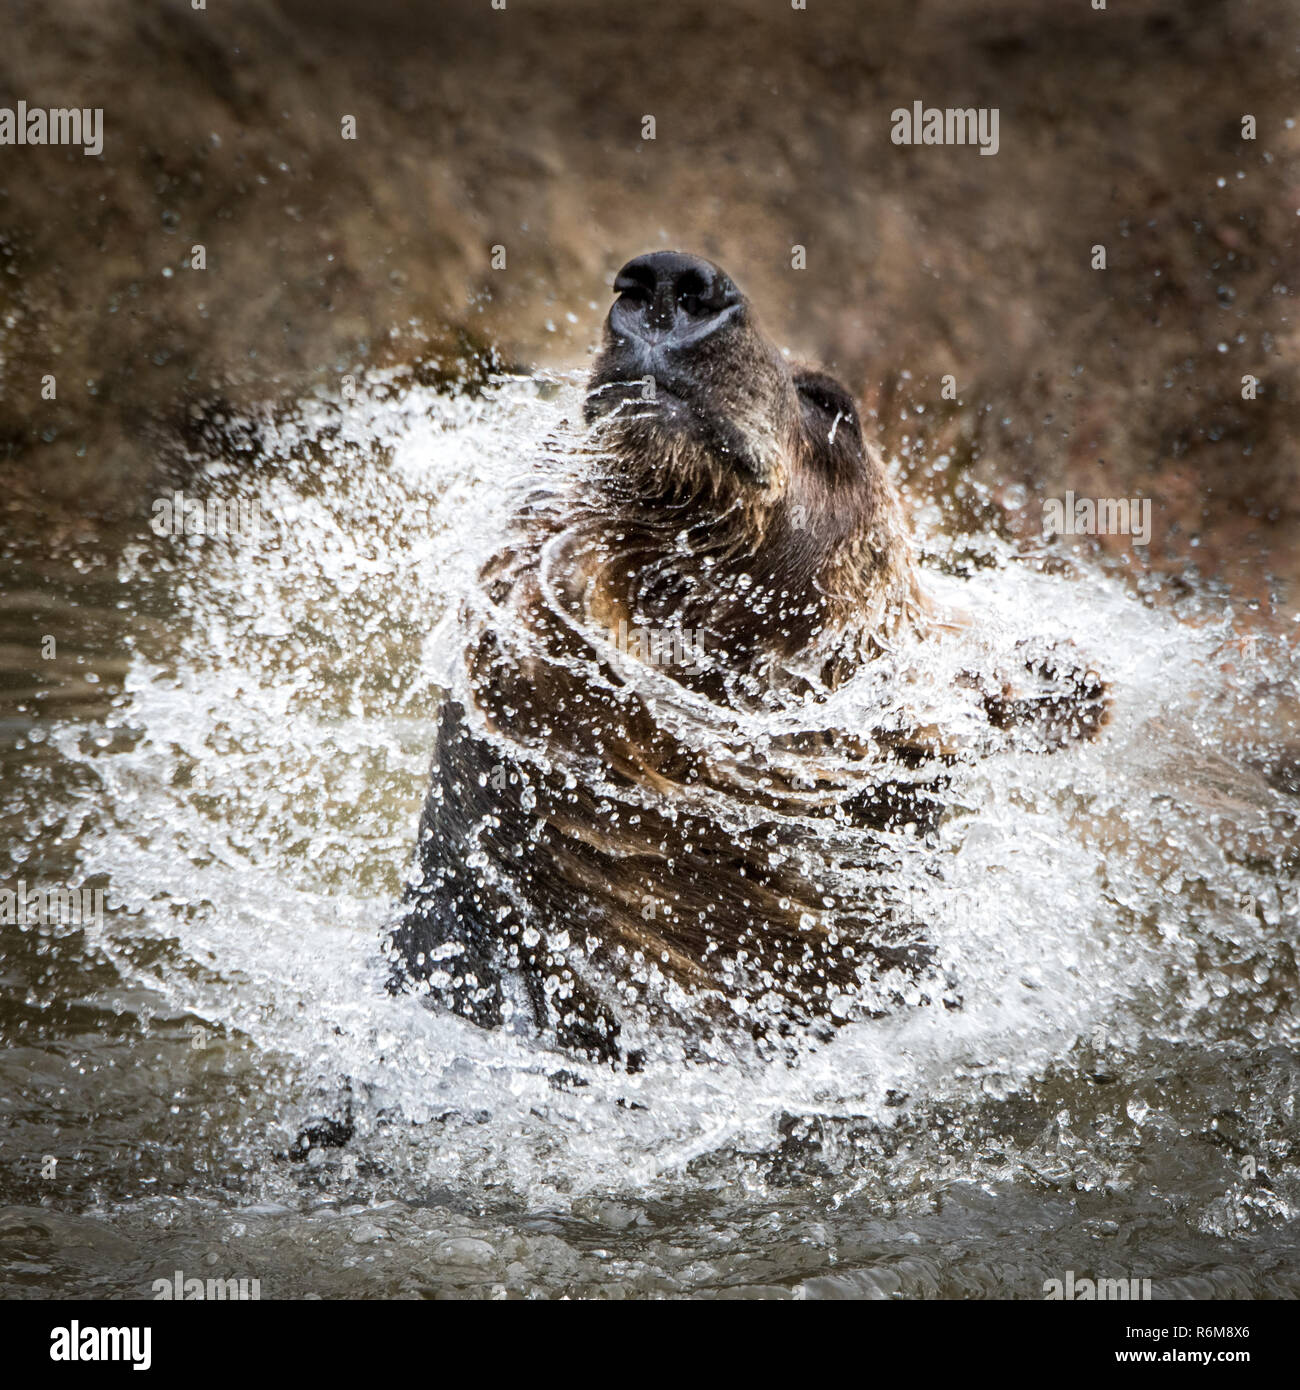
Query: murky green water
column 231, row 738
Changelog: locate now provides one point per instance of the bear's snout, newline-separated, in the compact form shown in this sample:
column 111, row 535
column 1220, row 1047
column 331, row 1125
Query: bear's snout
column 683, row 355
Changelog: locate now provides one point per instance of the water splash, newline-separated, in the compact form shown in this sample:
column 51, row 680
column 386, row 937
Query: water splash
column 254, row 815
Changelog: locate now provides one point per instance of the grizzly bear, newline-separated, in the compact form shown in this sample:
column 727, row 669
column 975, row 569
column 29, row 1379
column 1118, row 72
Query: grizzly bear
column 648, row 815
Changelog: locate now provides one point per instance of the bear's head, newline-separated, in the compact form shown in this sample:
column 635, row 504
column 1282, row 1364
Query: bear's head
column 686, row 373
column 775, row 521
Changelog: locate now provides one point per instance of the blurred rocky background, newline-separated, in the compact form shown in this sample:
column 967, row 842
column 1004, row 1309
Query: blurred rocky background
column 522, row 127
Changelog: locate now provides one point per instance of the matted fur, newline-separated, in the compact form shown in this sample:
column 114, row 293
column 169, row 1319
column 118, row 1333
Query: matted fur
column 693, row 846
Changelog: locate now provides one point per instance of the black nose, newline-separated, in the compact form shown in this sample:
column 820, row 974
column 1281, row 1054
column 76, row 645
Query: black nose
column 671, row 297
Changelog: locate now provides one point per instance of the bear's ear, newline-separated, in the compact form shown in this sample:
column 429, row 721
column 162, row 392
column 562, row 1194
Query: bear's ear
column 824, row 392
column 827, row 397
column 831, row 417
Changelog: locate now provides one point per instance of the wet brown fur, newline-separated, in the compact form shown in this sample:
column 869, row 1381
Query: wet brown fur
column 604, row 842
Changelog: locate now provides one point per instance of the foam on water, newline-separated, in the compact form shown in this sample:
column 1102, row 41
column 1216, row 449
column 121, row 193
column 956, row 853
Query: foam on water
column 256, row 816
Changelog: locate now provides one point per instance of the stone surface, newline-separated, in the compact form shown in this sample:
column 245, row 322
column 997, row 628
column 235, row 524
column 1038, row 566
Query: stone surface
column 522, row 128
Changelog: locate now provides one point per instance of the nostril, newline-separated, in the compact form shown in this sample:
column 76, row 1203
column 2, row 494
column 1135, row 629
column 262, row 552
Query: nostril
column 637, row 281
column 704, row 290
